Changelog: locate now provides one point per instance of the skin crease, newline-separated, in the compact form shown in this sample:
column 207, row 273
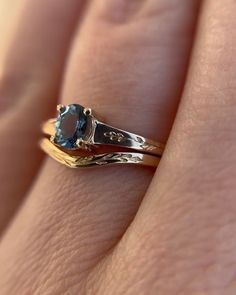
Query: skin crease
column 76, row 232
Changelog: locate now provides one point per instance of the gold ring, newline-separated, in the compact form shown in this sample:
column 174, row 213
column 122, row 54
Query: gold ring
column 76, row 161
column 76, row 129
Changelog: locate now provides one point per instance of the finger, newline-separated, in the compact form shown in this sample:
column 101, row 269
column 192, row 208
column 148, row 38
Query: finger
column 33, row 49
column 185, row 226
column 118, row 70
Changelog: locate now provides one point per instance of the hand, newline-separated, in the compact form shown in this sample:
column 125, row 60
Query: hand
column 120, row 230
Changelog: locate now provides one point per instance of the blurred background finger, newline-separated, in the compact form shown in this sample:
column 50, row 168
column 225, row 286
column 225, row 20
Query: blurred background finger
column 35, row 39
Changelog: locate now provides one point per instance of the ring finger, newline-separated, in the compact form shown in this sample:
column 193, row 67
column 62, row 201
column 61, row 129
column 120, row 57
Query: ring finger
column 133, row 56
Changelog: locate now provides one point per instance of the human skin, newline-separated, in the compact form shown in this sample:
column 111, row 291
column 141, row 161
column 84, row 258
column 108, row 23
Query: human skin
column 120, row 230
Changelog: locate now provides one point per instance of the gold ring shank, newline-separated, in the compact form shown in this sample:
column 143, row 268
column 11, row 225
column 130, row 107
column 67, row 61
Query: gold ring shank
column 75, row 161
column 109, row 136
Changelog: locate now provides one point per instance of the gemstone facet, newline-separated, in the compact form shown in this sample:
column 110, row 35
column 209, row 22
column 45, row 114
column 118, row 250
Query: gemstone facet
column 71, row 124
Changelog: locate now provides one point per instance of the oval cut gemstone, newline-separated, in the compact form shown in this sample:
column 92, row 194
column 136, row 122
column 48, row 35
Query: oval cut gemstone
column 71, row 124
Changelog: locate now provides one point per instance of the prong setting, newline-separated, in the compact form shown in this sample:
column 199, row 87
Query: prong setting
column 72, row 124
column 61, row 107
column 88, row 111
column 81, row 144
column 52, row 138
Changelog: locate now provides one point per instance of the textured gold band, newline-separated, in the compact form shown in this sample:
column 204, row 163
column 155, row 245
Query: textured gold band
column 74, row 161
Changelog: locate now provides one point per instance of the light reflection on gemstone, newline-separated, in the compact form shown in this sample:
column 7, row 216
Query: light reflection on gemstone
column 68, row 126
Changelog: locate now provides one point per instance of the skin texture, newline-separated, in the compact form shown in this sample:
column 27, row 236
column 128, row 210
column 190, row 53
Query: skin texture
column 122, row 230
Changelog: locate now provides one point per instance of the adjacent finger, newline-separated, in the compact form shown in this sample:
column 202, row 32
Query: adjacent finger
column 33, row 50
column 129, row 64
column 185, row 226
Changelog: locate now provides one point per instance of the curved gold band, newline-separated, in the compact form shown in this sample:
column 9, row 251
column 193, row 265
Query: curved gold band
column 75, row 161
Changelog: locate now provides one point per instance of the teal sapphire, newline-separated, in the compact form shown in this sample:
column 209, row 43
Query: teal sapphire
column 71, row 124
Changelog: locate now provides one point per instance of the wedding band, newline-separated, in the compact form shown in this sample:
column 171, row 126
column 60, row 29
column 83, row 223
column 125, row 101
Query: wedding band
column 77, row 128
column 77, row 161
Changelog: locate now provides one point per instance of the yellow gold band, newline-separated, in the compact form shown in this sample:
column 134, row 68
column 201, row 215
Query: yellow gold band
column 75, row 161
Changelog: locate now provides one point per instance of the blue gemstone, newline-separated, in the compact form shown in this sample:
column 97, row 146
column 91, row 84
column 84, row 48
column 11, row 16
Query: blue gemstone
column 71, row 124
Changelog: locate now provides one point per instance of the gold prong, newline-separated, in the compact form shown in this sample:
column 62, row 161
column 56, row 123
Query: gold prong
column 52, row 137
column 87, row 111
column 80, row 143
column 60, row 107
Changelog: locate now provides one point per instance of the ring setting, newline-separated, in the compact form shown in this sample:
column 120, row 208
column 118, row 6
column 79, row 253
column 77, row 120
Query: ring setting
column 73, row 126
column 76, row 129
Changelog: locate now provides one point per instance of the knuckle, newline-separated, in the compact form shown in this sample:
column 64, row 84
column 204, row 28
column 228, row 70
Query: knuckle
column 118, row 11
